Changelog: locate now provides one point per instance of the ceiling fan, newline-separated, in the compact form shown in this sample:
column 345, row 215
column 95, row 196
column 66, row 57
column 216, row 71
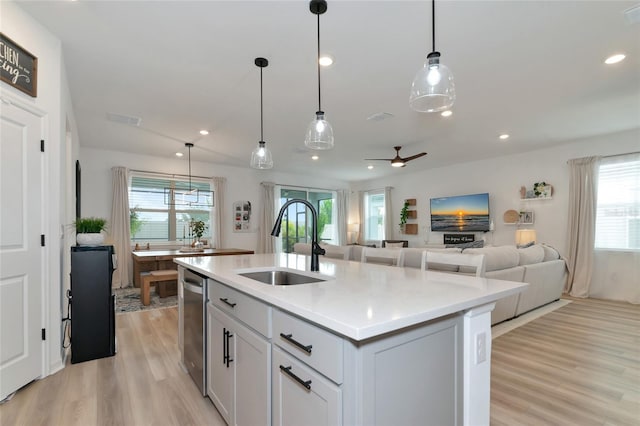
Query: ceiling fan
column 398, row 161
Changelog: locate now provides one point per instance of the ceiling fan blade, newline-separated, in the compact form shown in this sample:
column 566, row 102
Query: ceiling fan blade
column 413, row 157
column 379, row 159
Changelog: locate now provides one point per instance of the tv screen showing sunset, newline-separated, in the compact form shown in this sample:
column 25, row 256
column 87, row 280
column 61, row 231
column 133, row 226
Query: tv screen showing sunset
column 464, row 213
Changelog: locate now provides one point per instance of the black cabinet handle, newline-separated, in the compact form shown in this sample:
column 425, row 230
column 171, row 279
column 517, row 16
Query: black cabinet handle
column 228, row 336
column 225, row 300
column 224, row 346
column 288, row 338
column 306, row 384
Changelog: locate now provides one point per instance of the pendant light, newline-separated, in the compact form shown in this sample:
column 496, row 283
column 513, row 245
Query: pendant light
column 192, row 196
column 261, row 156
column 432, row 89
column 319, row 132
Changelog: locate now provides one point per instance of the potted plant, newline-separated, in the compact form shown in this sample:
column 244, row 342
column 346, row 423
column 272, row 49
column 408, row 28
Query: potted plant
column 89, row 230
column 540, row 189
column 197, row 228
column 403, row 216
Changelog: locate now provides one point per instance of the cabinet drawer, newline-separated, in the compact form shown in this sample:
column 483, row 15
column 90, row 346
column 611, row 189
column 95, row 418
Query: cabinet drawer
column 311, row 344
column 248, row 310
column 301, row 396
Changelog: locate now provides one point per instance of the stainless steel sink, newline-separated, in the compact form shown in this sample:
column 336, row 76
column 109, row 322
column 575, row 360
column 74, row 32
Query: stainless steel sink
column 280, row 277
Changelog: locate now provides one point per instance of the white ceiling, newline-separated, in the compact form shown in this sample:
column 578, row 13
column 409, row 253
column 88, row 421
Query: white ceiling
column 533, row 69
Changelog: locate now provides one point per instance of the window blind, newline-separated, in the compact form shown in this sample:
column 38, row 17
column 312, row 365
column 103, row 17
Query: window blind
column 618, row 208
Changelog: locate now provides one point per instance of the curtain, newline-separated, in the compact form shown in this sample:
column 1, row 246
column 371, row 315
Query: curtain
column 361, row 195
column 342, row 216
column 388, row 213
column 120, row 225
column 217, row 183
column 266, row 243
column 583, row 188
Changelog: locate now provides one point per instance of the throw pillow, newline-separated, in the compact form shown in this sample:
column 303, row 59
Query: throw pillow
column 394, row 245
column 472, row 244
column 529, row 244
column 496, row 258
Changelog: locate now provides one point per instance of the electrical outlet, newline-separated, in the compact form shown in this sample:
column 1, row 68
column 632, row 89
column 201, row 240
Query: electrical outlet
column 481, row 348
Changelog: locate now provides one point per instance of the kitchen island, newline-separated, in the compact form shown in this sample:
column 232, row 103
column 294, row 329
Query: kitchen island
column 368, row 345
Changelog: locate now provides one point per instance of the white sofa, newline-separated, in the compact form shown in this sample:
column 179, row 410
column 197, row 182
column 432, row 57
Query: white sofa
column 538, row 265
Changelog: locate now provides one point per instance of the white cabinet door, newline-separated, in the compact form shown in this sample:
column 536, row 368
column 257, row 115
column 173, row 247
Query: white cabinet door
column 239, row 371
column 252, row 359
column 219, row 371
column 301, row 396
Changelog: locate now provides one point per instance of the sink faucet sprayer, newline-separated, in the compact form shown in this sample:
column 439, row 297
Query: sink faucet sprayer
column 315, row 247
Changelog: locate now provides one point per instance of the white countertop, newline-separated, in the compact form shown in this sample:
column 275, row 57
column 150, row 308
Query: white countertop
column 358, row 300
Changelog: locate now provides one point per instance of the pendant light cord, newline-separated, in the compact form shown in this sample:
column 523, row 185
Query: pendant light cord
column 433, row 25
column 189, row 167
column 261, row 121
column 318, row 62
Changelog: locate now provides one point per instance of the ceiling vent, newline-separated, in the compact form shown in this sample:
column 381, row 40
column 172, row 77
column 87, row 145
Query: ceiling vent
column 633, row 14
column 129, row 120
column 379, row 116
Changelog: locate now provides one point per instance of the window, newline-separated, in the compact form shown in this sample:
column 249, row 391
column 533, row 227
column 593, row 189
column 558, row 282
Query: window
column 160, row 208
column 618, row 211
column 374, row 207
column 296, row 222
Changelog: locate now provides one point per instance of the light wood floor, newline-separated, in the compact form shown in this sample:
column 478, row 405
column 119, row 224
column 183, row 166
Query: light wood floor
column 142, row 385
column 579, row 365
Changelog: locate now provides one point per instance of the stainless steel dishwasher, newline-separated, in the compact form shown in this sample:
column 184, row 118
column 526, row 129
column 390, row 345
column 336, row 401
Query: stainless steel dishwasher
column 193, row 292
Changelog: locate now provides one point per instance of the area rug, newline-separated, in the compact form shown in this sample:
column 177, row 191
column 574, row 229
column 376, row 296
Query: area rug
column 128, row 300
column 506, row 326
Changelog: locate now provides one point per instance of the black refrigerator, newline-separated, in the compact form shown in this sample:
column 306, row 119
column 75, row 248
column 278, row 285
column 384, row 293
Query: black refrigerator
column 93, row 324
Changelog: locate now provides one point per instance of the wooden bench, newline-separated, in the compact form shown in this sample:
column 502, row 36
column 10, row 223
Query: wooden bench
column 157, row 277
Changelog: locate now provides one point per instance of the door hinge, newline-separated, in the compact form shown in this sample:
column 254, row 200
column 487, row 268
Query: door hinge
column 41, row 145
column 42, row 240
column 44, row 334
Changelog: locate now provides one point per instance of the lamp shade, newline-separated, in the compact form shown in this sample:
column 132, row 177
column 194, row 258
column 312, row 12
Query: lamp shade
column 525, row 236
column 432, row 89
column 354, row 227
column 261, row 157
column 319, row 133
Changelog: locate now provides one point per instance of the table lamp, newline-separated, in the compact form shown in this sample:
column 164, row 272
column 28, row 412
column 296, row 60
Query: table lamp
column 524, row 236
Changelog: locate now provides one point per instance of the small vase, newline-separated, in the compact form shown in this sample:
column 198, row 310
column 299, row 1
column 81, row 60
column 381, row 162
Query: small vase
column 94, row 239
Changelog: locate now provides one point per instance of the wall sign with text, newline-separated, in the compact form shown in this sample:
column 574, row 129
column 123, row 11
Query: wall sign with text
column 18, row 67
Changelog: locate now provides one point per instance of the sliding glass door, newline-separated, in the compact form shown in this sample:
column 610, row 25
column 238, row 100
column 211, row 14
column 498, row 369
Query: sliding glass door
column 296, row 223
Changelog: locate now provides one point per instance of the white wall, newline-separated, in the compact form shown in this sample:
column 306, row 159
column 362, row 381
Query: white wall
column 502, row 178
column 242, row 184
column 53, row 97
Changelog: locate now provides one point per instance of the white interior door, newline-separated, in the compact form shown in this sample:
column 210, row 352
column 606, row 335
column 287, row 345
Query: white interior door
column 20, row 249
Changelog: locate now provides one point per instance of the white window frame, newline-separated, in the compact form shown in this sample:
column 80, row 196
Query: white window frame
column 366, row 207
column 175, row 236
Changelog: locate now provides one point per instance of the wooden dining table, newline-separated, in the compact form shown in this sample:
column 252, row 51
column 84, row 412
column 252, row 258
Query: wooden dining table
column 155, row 260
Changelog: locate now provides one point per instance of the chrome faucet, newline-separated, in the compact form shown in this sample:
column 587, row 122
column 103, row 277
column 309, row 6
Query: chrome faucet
column 315, row 247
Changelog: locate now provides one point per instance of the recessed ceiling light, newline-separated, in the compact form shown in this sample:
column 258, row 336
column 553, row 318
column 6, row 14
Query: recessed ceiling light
column 325, row 60
column 314, row 157
column 204, row 132
column 504, row 136
column 446, row 113
column 179, row 154
column 379, row 116
column 369, row 167
column 614, row 59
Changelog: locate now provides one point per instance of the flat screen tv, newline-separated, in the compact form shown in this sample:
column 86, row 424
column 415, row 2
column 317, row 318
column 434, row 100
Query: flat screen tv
column 462, row 213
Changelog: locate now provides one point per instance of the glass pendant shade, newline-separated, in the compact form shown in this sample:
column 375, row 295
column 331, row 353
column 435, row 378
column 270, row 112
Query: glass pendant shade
column 319, row 133
column 432, row 89
column 261, row 157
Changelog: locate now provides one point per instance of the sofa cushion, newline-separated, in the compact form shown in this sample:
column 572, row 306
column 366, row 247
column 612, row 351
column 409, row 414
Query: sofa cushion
column 531, row 255
column 550, row 253
column 500, row 257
